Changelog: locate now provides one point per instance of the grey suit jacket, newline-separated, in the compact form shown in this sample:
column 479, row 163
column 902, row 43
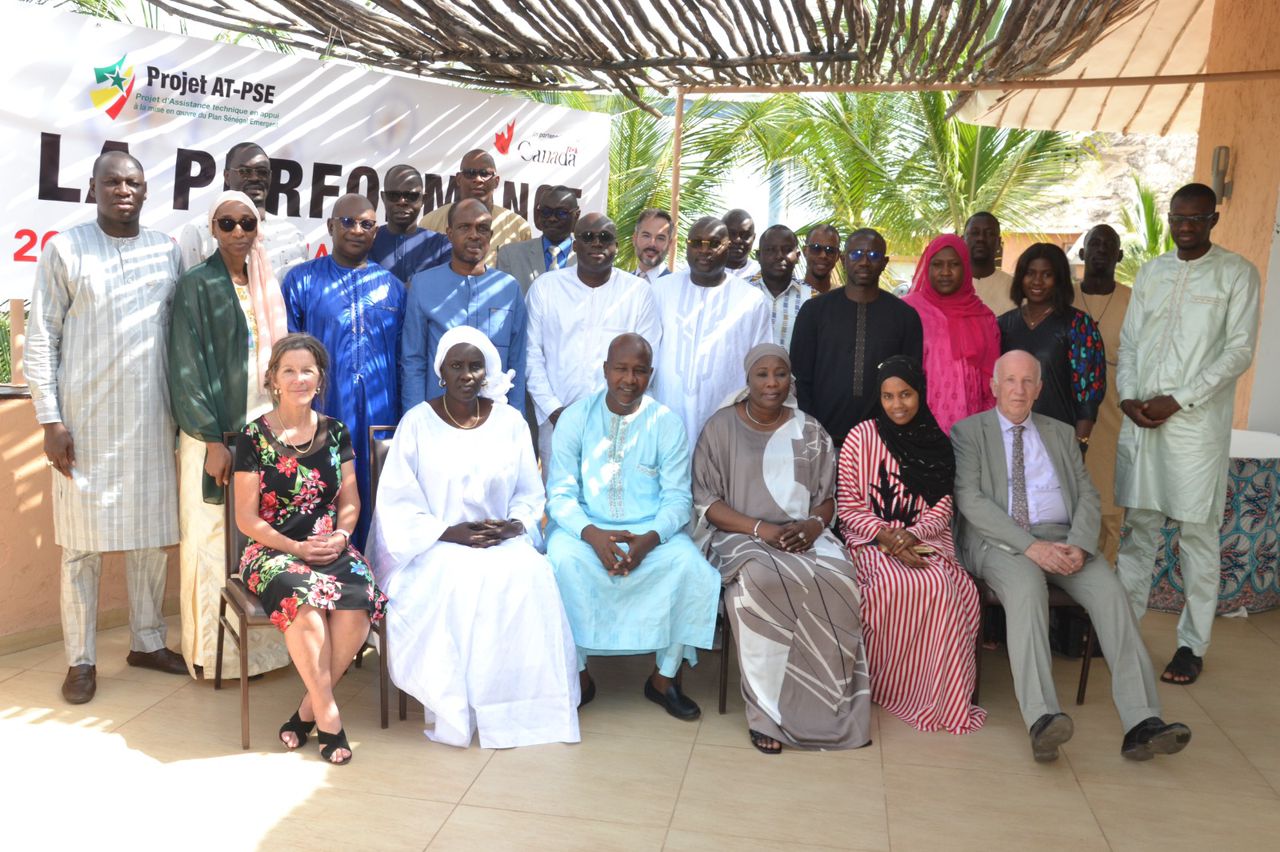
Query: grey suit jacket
column 524, row 261
column 982, row 487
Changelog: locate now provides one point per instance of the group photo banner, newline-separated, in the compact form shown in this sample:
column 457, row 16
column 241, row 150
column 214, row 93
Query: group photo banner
column 82, row 85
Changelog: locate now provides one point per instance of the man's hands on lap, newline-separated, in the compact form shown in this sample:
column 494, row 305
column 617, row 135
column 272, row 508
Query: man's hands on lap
column 1056, row 557
column 484, row 533
column 1151, row 413
column 619, row 561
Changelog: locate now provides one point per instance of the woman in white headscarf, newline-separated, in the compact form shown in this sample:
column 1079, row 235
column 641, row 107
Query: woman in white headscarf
column 227, row 314
column 476, row 631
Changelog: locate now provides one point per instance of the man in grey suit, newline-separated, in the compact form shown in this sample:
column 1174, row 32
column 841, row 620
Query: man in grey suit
column 1029, row 515
column 555, row 215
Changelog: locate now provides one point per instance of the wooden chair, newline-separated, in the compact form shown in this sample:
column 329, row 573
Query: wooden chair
column 249, row 612
column 1058, row 599
column 724, row 644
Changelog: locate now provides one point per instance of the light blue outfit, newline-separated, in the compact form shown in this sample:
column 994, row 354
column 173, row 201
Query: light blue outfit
column 440, row 299
column 628, row 473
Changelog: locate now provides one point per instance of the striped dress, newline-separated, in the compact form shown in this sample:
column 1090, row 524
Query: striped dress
column 920, row 625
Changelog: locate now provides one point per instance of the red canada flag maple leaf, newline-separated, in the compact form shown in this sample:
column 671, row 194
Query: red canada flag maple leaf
column 502, row 141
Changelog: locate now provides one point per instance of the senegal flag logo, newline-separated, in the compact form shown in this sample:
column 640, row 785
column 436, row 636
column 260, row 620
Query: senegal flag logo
column 115, row 84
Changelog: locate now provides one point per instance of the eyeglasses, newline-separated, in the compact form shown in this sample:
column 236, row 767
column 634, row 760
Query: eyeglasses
column 1197, row 220
column 247, row 172
column 394, row 197
column 350, row 222
column 709, row 245
column 603, row 238
column 248, row 224
column 827, row 250
column 477, row 174
column 872, row 255
column 560, row 213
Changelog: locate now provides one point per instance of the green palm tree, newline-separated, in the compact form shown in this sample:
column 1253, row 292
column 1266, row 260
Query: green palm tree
column 1146, row 230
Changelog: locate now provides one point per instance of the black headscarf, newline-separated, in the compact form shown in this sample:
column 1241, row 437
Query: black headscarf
column 923, row 450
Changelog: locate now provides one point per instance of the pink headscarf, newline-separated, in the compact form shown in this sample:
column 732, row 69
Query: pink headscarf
column 961, row 339
column 264, row 289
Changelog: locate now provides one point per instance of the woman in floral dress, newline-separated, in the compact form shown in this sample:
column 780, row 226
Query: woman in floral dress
column 296, row 499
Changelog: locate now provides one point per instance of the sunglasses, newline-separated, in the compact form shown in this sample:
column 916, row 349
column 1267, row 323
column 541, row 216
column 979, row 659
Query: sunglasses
column 710, row 245
column 478, row 174
column 560, row 213
column 247, row 172
column 248, row 224
column 870, row 254
column 603, row 238
column 394, row 197
column 827, row 250
column 1198, row 220
column 350, row 222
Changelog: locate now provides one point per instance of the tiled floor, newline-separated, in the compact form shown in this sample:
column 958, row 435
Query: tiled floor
column 154, row 762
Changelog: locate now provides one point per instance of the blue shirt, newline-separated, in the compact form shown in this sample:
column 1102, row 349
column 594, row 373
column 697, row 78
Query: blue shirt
column 405, row 256
column 440, row 299
column 562, row 255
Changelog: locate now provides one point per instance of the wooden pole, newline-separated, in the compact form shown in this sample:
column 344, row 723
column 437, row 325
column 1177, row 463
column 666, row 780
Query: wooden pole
column 675, row 179
column 17, row 340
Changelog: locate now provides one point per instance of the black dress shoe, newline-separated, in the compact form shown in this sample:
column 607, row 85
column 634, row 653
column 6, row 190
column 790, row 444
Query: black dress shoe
column 676, row 702
column 162, row 660
column 1152, row 736
column 1050, row 731
column 80, row 685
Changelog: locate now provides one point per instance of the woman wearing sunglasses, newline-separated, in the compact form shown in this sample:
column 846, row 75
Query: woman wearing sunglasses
column 227, row 314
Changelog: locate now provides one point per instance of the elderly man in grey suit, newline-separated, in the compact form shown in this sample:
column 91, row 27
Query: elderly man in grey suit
column 555, row 214
column 1029, row 516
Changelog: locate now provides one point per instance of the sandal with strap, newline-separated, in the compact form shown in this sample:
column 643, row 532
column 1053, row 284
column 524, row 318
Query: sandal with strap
column 298, row 728
column 762, row 741
column 330, row 743
column 1184, row 665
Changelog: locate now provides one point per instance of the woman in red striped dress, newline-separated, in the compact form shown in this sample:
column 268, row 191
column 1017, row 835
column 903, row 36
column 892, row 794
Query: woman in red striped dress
column 919, row 608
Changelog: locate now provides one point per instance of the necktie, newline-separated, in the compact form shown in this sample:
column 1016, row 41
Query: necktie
column 1018, row 476
column 555, row 258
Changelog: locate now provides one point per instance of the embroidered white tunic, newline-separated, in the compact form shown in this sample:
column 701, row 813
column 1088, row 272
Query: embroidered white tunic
column 96, row 361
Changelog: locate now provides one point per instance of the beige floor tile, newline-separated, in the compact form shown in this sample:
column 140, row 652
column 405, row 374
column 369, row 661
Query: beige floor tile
column 700, row 841
column 617, row 779
column 1267, row 623
column 1191, row 820
column 800, row 797
column 1273, row 778
column 1256, row 739
column 952, row 809
column 621, row 709
column 6, row 673
column 471, row 828
column 35, row 656
column 37, row 697
column 353, row 821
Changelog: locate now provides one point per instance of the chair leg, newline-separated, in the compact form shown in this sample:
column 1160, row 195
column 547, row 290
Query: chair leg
column 404, row 704
column 384, row 676
column 726, row 647
column 222, row 632
column 1090, row 640
column 244, row 684
column 977, row 651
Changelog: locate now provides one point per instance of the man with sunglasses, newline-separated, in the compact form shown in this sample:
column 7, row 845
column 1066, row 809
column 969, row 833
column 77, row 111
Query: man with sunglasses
column 1189, row 333
column 400, row 246
column 248, row 169
column 779, row 253
column 574, row 314
column 96, row 363
column 356, row 309
column 821, row 257
column 556, row 215
column 710, row 320
column 842, row 336
column 478, row 178
column 742, row 235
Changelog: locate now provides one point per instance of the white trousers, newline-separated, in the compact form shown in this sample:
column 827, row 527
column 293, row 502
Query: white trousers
column 144, row 572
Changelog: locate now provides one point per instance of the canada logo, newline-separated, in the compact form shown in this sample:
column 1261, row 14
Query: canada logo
column 116, row 83
column 502, row 141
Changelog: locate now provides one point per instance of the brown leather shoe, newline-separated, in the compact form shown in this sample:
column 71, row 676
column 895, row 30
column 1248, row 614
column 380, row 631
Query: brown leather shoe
column 163, row 660
column 80, row 685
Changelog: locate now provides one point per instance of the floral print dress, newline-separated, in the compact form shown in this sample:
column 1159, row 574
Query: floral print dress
column 298, row 496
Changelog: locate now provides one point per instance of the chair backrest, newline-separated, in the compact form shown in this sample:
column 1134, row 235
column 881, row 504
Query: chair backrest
column 234, row 539
column 378, row 449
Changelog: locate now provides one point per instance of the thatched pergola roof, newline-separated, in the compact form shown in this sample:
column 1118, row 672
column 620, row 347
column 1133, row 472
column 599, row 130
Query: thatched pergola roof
column 627, row 45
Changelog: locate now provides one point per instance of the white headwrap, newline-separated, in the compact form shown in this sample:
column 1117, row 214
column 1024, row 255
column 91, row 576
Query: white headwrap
column 496, row 382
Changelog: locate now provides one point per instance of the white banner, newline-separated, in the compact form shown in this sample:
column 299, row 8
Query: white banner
column 79, row 85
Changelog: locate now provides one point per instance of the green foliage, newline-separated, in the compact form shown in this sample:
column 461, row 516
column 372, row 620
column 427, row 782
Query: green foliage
column 1146, row 230
column 6, row 354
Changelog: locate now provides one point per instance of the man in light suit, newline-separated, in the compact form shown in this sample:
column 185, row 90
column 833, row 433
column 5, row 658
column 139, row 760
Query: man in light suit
column 555, row 214
column 1029, row 516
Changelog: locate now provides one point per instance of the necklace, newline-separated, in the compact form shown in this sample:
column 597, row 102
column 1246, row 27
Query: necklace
column 1026, row 316
column 1097, row 317
column 286, row 428
column 746, row 407
column 444, row 403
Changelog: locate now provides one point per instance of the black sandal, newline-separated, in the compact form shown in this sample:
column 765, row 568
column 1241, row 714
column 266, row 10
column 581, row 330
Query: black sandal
column 298, row 728
column 330, row 743
column 1185, row 665
column 761, row 742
